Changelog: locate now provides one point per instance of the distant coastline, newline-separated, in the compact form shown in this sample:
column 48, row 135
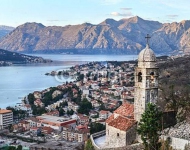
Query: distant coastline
column 30, row 77
column 8, row 58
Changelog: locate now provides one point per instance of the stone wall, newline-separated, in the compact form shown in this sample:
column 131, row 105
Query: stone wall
column 176, row 143
column 129, row 147
column 96, row 135
column 131, row 135
column 115, row 137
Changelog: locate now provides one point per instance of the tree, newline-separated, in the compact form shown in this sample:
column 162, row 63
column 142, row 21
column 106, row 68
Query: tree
column 19, row 147
column 31, row 98
column 11, row 148
column 149, row 127
column 70, row 112
column 81, row 77
column 85, row 107
column 61, row 112
column 96, row 127
column 89, row 145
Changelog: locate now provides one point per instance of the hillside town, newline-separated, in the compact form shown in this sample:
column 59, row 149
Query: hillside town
column 72, row 111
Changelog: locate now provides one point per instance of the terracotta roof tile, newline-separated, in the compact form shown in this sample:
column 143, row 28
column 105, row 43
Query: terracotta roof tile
column 122, row 123
column 126, row 110
column 110, row 118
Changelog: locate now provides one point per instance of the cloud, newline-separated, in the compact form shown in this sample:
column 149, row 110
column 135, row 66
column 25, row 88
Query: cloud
column 171, row 16
column 110, row 2
column 128, row 14
column 125, row 8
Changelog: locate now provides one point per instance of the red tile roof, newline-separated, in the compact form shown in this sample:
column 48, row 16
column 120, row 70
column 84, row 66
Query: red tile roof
column 110, row 118
column 122, row 123
column 126, row 110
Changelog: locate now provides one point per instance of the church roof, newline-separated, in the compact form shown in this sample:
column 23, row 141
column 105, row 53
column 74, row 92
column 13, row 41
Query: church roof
column 110, row 118
column 122, row 123
column 126, row 110
column 147, row 55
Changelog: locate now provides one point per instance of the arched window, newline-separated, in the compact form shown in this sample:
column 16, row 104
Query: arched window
column 139, row 77
column 117, row 134
column 152, row 76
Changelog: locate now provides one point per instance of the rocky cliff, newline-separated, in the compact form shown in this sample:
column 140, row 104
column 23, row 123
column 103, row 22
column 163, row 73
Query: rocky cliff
column 110, row 36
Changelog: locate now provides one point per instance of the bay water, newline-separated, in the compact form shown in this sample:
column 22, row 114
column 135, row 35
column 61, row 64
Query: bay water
column 17, row 81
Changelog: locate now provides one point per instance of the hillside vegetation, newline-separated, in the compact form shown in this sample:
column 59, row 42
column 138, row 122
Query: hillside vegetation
column 175, row 86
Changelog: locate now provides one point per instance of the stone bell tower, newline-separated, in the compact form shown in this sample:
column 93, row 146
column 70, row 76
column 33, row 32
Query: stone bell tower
column 146, row 81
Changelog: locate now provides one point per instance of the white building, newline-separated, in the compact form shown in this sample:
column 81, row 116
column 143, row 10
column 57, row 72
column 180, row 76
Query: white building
column 6, row 118
column 103, row 114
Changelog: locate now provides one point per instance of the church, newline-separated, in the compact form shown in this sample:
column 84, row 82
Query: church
column 122, row 124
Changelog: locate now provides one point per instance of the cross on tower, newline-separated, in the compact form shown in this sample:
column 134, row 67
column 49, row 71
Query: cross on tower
column 147, row 39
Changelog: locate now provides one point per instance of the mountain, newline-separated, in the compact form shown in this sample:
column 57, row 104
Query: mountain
column 8, row 58
column 4, row 30
column 110, row 36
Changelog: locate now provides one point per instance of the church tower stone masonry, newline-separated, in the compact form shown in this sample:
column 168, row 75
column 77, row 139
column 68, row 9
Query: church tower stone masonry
column 146, row 82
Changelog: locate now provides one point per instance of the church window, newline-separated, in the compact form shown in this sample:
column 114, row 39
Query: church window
column 152, row 75
column 139, row 77
column 117, row 134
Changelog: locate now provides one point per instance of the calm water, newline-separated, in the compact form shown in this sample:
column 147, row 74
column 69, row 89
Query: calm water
column 18, row 81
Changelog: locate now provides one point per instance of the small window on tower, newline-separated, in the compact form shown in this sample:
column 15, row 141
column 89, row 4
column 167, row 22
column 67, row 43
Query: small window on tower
column 117, row 134
column 139, row 77
column 152, row 76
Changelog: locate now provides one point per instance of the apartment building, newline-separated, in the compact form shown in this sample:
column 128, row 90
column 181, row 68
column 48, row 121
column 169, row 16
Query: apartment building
column 6, row 118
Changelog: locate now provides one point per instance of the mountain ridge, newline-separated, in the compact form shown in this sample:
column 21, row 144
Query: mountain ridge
column 121, row 37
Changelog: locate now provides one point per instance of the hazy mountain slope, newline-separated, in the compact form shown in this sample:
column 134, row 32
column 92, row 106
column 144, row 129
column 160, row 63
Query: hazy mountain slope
column 13, row 57
column 4, row 30
column 126, row 35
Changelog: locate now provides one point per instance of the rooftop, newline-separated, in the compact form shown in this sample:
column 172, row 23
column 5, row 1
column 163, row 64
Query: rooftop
column 54, row 120
column 126, row 110
column 4, row 111
column 147, row 55
column 122, row 123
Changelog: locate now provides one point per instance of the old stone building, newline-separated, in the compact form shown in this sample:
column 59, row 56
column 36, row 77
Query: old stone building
column 121, row 125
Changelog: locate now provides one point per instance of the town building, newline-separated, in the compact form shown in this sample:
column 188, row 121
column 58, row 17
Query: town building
column 6, row 118
column 75, row 135
column 55, row 122
column 103, row 114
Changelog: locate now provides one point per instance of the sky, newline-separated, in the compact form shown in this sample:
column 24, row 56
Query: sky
column 72, row 12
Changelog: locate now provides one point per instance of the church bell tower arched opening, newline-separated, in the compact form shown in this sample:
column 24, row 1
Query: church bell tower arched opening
column 146, row 81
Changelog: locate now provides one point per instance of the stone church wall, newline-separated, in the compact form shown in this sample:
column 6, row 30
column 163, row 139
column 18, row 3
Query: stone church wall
column 115, row 137
column 131, row 135
column 119, row 138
